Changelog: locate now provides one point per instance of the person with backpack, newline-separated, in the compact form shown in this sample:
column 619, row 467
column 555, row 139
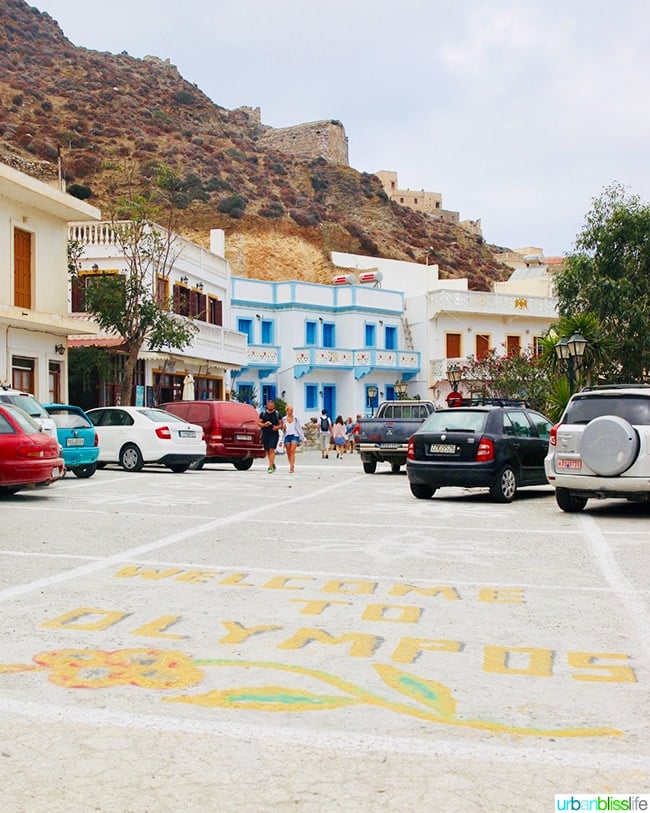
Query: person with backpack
column 324, row 434
column 270, row 423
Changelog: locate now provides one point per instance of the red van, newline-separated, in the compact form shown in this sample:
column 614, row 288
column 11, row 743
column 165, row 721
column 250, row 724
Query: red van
column 230, row 429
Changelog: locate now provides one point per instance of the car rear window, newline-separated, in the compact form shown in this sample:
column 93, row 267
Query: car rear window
column 69, row 419
column 26, row 423
column 160, row 416
column 633, row 408
column 27, row 403
column 455, row 420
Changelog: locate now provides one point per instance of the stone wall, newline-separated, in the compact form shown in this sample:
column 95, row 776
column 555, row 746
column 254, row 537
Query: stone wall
column 316, row 139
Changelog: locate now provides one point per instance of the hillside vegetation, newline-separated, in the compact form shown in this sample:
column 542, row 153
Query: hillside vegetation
column 110, row 115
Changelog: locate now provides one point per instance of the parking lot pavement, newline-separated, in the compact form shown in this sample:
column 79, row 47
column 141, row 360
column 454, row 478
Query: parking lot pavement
column 318, row 641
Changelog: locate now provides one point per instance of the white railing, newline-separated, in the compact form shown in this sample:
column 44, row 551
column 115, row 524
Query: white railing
column 484, row 302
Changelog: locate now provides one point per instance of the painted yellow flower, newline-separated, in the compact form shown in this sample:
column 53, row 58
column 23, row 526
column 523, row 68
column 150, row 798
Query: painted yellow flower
column 98, row 669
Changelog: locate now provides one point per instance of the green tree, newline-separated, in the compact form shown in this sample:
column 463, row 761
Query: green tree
column 608, row 276
column 127, row 304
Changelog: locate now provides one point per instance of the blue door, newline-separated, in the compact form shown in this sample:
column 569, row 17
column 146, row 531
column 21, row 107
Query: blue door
column 329, row 400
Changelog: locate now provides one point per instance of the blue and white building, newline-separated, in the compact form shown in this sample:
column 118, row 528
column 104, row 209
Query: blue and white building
column 340, row 347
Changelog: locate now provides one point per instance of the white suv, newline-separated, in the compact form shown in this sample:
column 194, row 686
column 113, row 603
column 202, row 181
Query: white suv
column 31, row 406
column 601, row 446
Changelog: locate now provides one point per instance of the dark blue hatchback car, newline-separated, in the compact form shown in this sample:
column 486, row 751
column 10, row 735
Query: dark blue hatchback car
column 77, row 437
column 495, row 447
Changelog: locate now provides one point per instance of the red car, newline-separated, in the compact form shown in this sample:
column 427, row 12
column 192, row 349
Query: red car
column 29, row 457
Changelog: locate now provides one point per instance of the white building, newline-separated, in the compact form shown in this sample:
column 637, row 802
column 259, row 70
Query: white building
column 197, row 283
column 34, row 319
column 338, row 347
column 448, row 322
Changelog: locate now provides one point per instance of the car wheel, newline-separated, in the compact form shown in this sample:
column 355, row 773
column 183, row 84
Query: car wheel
column 197, row 464
column 179, row 468
column 569, row 502
column 131, row 458
column 395, row 467
column 85, row 471
column 244, row 464
column 370, row 466
column 421, row 491
column 504, row 487
column 609, row 445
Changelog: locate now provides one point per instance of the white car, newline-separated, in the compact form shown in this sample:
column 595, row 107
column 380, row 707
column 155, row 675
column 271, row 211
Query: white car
column 601, row 446
column 135, row 436
column 31, row 406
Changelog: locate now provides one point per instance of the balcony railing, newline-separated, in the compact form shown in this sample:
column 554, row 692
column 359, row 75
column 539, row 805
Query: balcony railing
column 402, row 362
column 491, row 304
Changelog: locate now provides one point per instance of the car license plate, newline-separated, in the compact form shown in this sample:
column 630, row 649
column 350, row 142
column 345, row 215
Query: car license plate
column 243, row 437
column 74, row 442
column 442, row 448
column 186, row 433
column 389, row 445
column 569, row 463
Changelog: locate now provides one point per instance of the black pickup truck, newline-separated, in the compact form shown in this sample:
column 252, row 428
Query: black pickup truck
column 384, row 437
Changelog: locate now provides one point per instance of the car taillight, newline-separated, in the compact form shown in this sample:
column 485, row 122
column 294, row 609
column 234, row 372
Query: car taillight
column 552, row 439
column 216, row 437
column 164, row 432
column 96, row 439
column 485, row 450
column 410, row 450
column 31, row 451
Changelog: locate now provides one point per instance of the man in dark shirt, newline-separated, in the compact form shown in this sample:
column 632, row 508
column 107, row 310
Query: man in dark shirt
column 270, row 423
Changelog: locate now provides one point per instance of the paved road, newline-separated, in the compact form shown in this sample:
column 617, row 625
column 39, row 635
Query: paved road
column 239, row 641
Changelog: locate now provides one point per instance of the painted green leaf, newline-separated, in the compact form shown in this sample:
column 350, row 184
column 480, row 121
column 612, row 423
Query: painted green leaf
column 266, row 698
column 432, row 694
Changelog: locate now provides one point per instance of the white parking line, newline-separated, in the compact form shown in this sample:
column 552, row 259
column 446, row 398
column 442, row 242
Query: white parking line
column 619, row 584
column 488, row 751
column 172, row 539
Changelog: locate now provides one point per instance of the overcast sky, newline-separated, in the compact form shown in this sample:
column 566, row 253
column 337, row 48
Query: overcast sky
column 519, row 112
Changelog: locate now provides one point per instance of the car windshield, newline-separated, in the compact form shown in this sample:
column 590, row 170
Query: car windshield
column 68, row 419
column 455, row 420
column 633, row 408
column 27, row 403
column 160, row 416
column 27, row 424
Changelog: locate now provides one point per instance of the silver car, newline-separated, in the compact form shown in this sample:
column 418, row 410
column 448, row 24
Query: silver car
column 31, row 406
column 137, row 436
column 601, row 446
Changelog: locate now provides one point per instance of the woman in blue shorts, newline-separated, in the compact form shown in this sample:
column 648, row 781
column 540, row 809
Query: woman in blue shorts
column 293, row 435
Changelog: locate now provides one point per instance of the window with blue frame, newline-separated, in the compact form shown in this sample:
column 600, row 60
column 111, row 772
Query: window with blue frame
column 268, row 393
column 390, row 337
column 267, row 331
column 329, row 334
column 370, row 338
column 311, row 396
column 246, row 326
column 310, row 333
column 246, row 393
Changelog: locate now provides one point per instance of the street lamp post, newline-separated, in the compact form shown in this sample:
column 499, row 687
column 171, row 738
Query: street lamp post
column 401, row 388
column 372, row 396
column 571, row 351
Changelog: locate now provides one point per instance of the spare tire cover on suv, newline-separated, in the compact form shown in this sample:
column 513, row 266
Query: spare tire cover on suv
column 609, row 445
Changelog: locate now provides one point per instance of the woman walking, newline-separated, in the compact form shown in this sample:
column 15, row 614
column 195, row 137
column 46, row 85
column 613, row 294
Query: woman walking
column 339, row 436
column 293, row 435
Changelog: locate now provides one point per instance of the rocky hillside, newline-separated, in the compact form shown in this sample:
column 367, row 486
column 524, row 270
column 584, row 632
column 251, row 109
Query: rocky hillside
column 109, row 115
